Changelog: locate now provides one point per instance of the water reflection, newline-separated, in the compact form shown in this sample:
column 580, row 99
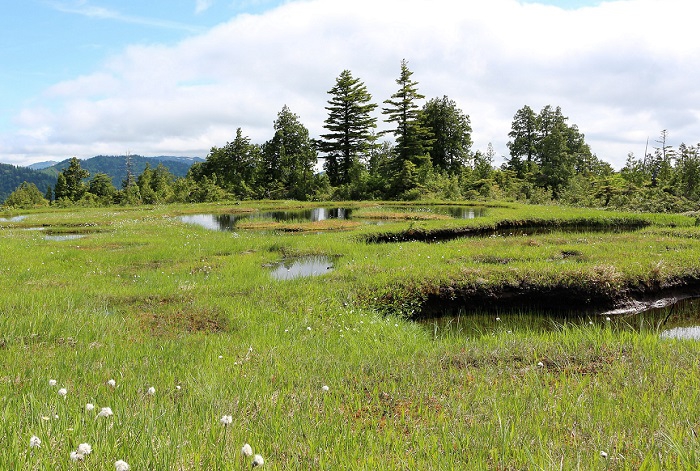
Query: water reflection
column 228, row 222
column 456, row 212
column 60, row 237
column 679, row 320
column 307, row 266
column 13, row 219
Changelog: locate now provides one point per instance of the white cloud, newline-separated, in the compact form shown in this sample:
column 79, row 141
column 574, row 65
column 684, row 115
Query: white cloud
column 203, row 5
column 621, row 71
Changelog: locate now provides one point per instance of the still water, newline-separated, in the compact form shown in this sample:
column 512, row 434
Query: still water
column 680, row 320
column 301, row 267
column 227, row 222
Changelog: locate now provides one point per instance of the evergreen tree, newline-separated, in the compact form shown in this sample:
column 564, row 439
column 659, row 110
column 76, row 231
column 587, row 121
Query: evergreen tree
column 451, row 131
column 234, row 165
column 350, row 126
column 413, row 139
column 101, row 186
column 72, row 186
column 288, row 159
column 26, row 196
column 523, row 146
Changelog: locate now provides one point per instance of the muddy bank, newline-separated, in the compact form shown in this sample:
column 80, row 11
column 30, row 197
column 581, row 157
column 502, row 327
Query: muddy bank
column 587, row 300
column 509, row 228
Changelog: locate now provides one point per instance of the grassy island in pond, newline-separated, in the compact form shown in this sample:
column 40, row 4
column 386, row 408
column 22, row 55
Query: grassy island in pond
column 167, row 345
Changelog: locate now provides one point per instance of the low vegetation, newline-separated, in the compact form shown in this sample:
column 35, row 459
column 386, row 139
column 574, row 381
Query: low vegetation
column 197, row 351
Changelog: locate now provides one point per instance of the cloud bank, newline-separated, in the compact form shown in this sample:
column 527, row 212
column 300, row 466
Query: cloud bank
column 622, row 71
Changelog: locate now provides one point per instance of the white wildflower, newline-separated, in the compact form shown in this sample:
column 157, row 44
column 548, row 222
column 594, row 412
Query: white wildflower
column 178, row 387
column 498, row 319
column 603, row 454
column 121, row 465
column 226, row 419
column 325, row 388
column 84, row 449
column 308, row 328
column 258, row 461
column 89, row 407
column 540, row 364
column 112, row 383
column 151, row 391
column 62, row 392
column 52, row 382
column 34, row 442
column 247, row 450
column 75, row 456
column 607, row 319
column 105, row 412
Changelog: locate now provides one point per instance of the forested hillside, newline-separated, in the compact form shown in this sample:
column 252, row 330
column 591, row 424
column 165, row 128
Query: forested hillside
column 115, row 167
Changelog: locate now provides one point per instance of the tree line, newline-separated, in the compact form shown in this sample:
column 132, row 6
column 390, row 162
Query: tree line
column 430, row 156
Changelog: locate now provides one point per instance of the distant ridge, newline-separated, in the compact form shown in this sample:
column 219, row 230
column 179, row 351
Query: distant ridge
column 113, row 165
column 42, row 165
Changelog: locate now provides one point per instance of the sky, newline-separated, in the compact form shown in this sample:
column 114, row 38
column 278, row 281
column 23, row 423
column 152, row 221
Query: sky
column 177, row 77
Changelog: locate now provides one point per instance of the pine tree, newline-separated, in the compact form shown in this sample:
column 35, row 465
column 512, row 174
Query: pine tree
column 288, row 159
column 413, row 140
column 451, row 131
column 350, row 126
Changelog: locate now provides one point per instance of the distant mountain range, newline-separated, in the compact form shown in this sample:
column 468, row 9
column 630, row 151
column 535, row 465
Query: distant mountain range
column 43, row 174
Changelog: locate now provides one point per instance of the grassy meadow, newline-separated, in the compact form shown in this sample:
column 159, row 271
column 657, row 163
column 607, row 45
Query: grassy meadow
column 331, row 371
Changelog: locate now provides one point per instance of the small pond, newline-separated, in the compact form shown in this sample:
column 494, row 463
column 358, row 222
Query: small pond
column 301, row 267
column 678, row 320
column 228, row 222
column 61, row 237
column 13, row 219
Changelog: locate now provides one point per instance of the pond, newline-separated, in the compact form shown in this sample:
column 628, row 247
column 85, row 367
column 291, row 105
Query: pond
column 61, row 237
column 13, row 219
column 301, row 267
column 228, row 222
column 680, row 320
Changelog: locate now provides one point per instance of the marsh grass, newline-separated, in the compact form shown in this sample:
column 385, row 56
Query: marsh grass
column 196, row 315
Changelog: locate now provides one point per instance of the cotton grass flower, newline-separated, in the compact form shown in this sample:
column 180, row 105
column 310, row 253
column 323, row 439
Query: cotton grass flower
column 105, row 412
column 603, row 454
column 325, row 388
column 89, row 407
column 75, row 456
column 34, row 442
column 151, row 391
column 52, row 382
column 62, row 392
column 84, row 449
column 121, row 465
column 112, row 383
column 226, row 420
column 247, row 450
column 258, row 461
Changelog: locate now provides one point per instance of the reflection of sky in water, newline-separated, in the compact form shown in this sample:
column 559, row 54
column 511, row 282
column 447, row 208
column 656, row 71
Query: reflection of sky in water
column 207, row 221
column 13, row 219
column 227, row 222
column 311, row 266
column 60, row 237
column 692, row 333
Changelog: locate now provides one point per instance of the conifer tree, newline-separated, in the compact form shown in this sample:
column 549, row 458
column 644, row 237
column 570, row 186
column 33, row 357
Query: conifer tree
column 350, row 126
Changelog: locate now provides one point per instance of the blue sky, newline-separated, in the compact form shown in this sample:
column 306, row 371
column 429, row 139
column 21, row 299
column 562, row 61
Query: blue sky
column 48, row 41
column 176, row 77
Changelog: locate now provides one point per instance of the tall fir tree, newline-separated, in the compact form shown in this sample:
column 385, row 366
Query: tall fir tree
column 350, row 137
column 413, row 139
column 451, row 131
column 288, row 159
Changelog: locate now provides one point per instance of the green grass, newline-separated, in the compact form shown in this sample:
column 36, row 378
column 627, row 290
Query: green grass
column 149, row 301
